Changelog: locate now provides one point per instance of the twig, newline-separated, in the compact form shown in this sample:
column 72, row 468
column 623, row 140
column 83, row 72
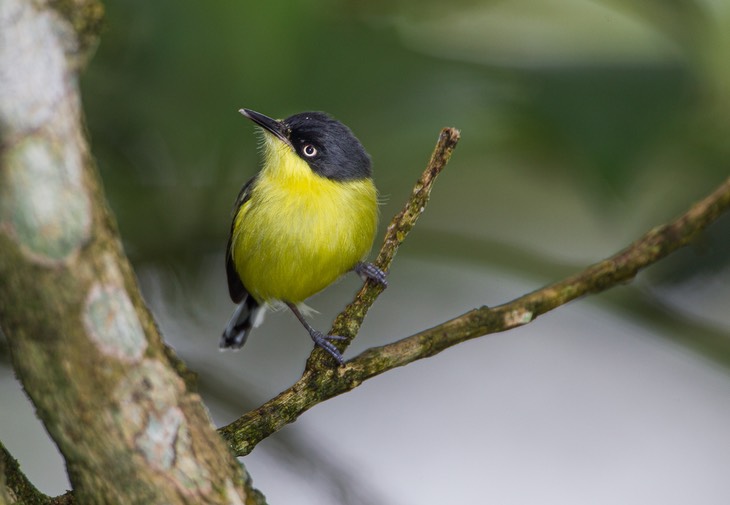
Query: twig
column 348, row 323
column 319, row 385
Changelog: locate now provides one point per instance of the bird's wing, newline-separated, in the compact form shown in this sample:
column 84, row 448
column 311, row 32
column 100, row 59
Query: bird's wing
column 235, row 287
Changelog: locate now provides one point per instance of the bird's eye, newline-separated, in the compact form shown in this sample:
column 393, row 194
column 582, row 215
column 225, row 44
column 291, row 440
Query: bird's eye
column 309, row 150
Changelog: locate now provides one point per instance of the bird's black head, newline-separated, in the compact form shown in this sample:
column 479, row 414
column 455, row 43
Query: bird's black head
column 328, row 146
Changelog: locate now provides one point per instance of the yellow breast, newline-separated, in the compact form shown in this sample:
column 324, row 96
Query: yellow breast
column 299, row 231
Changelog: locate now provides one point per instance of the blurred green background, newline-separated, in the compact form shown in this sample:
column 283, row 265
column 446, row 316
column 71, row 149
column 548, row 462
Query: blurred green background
column 584, row 124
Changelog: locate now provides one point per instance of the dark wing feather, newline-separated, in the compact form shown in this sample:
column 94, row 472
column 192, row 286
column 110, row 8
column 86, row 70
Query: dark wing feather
column 235, row 287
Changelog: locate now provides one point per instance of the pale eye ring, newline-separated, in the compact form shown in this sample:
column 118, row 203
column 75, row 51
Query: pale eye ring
column 309, row 150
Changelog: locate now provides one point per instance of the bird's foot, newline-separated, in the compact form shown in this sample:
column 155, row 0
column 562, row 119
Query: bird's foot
column 370, row 271
column 323, row 341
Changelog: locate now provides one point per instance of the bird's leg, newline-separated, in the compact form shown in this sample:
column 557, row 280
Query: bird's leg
column 369, row 271
column 320, row 339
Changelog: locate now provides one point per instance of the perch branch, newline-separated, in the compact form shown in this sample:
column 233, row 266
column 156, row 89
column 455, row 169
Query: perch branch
column 319, row 384
column 348, row 323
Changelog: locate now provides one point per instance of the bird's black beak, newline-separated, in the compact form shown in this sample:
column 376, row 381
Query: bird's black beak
column 276, row 128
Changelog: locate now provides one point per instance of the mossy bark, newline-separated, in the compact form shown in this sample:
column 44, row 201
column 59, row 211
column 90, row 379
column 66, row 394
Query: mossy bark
column 82, row 342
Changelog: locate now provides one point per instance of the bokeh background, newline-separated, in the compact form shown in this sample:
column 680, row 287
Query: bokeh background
column 584, row 123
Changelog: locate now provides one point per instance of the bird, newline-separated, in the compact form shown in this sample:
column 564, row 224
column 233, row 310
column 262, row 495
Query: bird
column 308, row 217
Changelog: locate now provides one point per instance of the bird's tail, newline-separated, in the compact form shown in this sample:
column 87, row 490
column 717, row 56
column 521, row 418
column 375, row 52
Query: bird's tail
column 246, row 317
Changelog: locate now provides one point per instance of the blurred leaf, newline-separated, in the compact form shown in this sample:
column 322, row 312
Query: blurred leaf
column 603, row 121
column 540, row 32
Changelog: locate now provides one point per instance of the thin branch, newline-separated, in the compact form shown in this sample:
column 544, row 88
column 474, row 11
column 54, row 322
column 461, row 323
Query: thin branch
column 320, row 384
column 348, row 323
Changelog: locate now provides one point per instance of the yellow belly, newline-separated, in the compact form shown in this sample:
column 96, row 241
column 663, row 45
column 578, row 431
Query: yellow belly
column 299, row 232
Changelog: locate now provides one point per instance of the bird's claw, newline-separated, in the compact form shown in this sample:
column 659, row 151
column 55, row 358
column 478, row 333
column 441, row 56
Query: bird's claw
column 370, row 271
column 323, row 341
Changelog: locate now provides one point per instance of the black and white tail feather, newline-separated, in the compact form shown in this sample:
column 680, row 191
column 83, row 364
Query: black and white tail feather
column 247, row 316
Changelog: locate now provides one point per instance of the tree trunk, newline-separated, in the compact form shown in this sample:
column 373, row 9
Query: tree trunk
column 82, row 342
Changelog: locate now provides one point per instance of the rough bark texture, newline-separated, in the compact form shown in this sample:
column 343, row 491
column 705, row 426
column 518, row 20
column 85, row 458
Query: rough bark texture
column 81, row 340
